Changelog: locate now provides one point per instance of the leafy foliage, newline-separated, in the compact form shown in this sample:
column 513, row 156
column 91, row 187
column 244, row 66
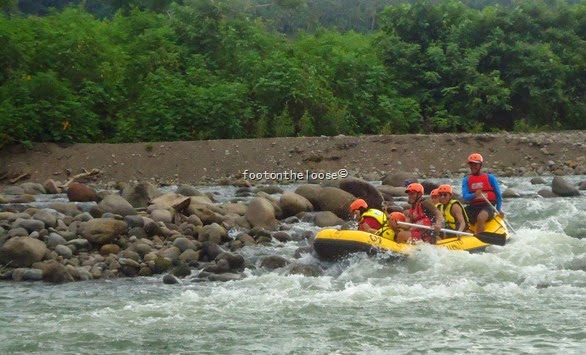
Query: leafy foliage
column 150, row 70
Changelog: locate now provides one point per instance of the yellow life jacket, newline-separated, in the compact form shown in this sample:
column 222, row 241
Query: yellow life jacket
column 380, row 217
column 449, row 218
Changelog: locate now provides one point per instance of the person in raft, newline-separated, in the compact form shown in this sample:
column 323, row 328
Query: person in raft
column 452, row 210
column 369, row 220
column 423, row 212
column 474, row 186
column 434, row 195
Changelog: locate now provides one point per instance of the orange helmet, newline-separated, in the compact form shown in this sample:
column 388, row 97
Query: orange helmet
column 357, row 204
column 415, row 187
column 445, row 188
column 398, row 216
column 475, row 158
column 434, row 192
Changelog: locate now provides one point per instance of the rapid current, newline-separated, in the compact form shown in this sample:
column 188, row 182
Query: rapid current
column 526, row 297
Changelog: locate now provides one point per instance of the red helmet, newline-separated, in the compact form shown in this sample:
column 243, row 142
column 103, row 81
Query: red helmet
column 398, row 216
column 415, row 187
column 357, row 204
column 434, row 192
column 475, row 158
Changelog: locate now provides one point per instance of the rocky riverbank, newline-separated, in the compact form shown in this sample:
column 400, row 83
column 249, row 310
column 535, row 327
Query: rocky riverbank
column 129, row 227
column 140, row 231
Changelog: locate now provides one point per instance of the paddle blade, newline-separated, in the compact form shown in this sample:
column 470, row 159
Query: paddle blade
column 492, row 238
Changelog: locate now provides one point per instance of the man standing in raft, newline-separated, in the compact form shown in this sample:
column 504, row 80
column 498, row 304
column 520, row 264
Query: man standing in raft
column 474, row 186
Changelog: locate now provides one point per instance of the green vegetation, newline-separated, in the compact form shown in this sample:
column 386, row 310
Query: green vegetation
column 129, row 71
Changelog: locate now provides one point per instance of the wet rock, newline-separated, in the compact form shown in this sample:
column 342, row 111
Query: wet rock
column 538, row 181
column 261, row 212
column 13, row 190
column 562, row 187
column 103, row 230
column 47, row 216
column 164, row 216
column 140, row 195
column 54, row 239
column 54, row 272
column 187, row 190
column 181, row 270
column 26, row 274
column 134, row 221
column 64, row 251
column 32, row 188
column 398, row 179
column 282, row 237
column 546, row 193
column 310, row 192
column 152, row 229
column 51, row 187
column 30, row 225
column 306, row 270
column 292, row 204
column 225, row 277
column 274, row 262
column 77, row 192
column 161, row 265
column 219, row 267
column 18, row 232
column 235, row 261
column 189, row 256
column 335, row 200
column 308, row 249
column 117, row 204
column 213, row 233
column 510, row 193
column 269, row 189
column 171, row 279
column 22, row 251
column 212, row 250
column 327, row 219
column 246, row 239
column 108, row 249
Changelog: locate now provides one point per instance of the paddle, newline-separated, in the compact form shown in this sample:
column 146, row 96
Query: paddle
column 497, row 212
column 485, row 237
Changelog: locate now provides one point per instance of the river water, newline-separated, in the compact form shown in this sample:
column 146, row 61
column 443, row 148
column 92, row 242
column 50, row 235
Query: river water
column 525, row 297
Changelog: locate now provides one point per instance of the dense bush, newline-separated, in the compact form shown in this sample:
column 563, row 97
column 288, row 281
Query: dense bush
column 202, row 69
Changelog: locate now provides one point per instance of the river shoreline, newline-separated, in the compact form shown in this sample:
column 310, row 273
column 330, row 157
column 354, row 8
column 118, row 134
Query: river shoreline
column 367, row 157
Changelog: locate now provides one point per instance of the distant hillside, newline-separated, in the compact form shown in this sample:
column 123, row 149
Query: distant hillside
column 286, row 16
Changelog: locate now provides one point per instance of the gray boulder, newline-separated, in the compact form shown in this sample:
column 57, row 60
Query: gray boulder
column 22, row 251
column 327, row 219
column 292, row 204
column 310, row 192
column 335, row 200
column 398, row 179
column 362, row 189
column 116, row 204
column 141, row 194
column 261, row 212
column 563, row 188
column 103, row 230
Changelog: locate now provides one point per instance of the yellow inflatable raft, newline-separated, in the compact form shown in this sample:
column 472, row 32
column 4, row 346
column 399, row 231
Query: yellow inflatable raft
column 333, row 244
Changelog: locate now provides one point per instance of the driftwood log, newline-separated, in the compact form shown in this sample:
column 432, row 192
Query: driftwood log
column 81, row 176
